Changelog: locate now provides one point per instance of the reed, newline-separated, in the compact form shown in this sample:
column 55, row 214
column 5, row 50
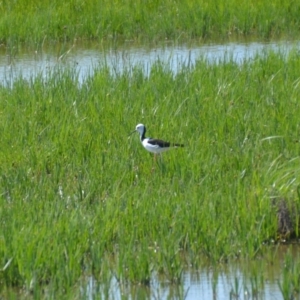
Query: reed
column 79, row 198
column 51, row 21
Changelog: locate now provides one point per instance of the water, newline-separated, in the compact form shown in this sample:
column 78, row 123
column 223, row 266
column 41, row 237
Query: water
column 84, row 59
column 231, row 283
column 259, row 278
column 251, row 280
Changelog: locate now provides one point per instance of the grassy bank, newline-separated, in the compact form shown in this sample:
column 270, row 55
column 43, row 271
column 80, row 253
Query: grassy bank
column 78, row 197
column 47, row 21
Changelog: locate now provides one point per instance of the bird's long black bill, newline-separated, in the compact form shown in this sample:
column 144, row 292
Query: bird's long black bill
column 131, row 132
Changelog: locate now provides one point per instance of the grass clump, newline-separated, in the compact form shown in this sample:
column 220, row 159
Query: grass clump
column 79, row 198
column 144, row 20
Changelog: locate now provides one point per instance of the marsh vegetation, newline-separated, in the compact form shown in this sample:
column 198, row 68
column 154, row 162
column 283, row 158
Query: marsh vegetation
column 77, row 192
column 79, row 199
column 37, row 22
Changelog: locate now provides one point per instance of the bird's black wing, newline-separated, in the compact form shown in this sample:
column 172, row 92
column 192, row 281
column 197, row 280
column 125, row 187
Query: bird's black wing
column 159, row 143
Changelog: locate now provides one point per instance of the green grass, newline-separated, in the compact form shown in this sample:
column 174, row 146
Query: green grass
column 78, row 197
column 36, row 22
column 289, row 285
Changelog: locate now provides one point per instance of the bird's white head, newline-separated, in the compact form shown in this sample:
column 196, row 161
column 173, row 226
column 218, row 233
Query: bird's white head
column 140, row 128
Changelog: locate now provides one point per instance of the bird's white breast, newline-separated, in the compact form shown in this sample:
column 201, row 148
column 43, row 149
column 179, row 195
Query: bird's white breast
column 153, row 148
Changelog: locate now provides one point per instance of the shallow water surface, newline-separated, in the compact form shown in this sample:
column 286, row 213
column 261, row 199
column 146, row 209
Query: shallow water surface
column 252, row 279
column 85, row 58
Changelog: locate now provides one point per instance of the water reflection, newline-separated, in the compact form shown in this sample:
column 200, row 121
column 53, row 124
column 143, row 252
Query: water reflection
column 258, row 278
column 204, row 284
column 85, row 58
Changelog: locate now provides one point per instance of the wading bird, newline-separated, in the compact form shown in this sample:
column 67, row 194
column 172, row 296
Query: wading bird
column 153, row 145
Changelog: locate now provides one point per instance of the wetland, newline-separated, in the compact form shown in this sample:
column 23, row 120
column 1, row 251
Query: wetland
column 86, row 213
